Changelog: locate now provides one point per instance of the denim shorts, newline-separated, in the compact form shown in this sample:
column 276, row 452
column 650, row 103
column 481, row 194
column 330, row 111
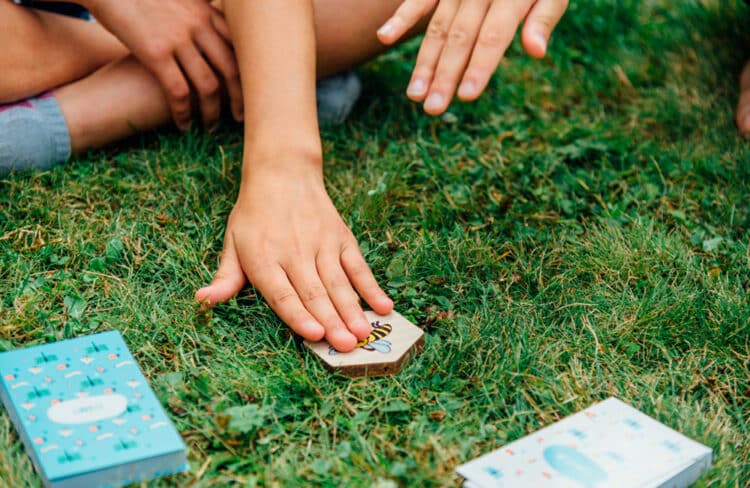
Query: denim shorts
column 63, row 8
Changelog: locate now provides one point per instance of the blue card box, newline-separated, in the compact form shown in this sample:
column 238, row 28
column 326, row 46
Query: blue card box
column 87, row 415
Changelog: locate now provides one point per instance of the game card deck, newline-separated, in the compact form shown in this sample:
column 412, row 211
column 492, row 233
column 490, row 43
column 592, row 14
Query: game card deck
column 610, row 444
column 86, row 415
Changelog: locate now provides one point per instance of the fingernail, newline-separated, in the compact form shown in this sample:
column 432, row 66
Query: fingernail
column 386, row 28
column 434, row 102
column 344, row 338
column 312, row 326
column 360, row 323
column 202, row 297
column 416, row 88
column 467, row 89
column 542, row 40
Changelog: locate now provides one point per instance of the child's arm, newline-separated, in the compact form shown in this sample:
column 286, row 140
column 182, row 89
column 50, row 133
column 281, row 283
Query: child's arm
column 284, row 234
column 465, row 41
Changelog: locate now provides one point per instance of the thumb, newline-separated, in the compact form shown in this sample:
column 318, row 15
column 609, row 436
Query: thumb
column 228, row 280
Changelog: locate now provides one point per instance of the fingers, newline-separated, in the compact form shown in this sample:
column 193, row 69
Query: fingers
column 342, row 294
column 406, row 16
column 495, row 36
column 228, row 280
column 361, row 277
column 276, row 288
column 205, row 82
column 177, row 92
column 222, row 58
column 220, row 24
column 465, row 41
column 537, row 29
column 431, row 49
column 314, row 297
column 459, row 44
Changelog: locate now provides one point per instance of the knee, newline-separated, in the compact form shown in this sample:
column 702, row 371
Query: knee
column 21, row 31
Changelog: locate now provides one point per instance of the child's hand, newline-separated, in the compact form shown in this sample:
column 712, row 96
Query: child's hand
column 286, row 237
column 184, row 43
column 465, row 41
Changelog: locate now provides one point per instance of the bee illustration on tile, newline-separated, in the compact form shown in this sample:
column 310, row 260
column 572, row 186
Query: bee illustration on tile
column 375, row 341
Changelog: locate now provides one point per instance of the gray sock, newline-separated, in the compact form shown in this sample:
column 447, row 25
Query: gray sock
column 33, row 135
column 336, row 97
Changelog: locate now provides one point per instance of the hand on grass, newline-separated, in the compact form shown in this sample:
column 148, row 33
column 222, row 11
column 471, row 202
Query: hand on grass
column 285, row 236
column 465, row 41
column 184, row 43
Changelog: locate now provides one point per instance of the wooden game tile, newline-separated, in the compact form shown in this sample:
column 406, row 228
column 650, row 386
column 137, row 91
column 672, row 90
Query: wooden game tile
column 391, row 343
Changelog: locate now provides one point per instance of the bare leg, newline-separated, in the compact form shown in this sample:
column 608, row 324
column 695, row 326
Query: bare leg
column 118, row 101
column 743, row 106
column 346, row 30
column 41, row 50
column 123, row 98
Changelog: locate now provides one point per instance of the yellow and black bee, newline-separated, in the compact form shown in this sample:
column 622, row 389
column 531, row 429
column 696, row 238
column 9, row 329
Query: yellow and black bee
column 375, row 341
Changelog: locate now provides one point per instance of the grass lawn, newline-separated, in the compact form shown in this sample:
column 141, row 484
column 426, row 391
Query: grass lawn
column 580, row 232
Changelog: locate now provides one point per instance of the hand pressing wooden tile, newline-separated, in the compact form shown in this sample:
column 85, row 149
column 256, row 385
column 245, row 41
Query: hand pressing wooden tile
column 390, row 344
